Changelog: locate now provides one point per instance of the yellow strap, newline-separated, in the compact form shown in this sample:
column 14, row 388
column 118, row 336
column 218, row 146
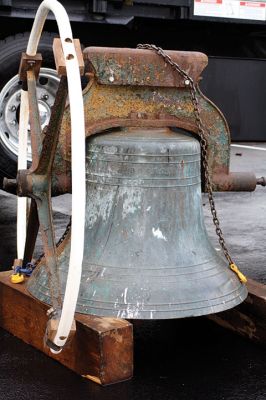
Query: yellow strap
column 241, row 276
column 17, row 278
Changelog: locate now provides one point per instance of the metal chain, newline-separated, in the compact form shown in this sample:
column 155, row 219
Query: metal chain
column 188, row 81
column 62, row 238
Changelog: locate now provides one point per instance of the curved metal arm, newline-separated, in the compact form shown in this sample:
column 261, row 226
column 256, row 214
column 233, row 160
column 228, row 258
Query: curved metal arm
column 77, row 154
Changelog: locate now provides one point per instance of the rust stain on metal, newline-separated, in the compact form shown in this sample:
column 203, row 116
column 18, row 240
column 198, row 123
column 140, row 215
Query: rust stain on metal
column 146, row 94
column 36, row 182
column 107, row 106
column 141, row 67
column 234, row 181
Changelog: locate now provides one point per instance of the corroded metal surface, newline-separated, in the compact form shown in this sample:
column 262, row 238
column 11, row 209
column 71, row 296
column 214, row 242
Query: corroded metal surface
column 147, row 94
column 235, row 181
column 36, row 131
column 141, row 68
column 155, row 102
column 147, row 254
column 121, row 106
column 36, row 184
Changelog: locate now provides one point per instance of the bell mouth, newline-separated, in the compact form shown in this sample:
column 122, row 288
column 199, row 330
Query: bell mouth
column 107, row 293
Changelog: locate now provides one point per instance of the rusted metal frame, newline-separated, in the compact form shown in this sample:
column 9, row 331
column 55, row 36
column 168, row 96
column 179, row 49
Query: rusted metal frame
column 48, row 238
column 107, row 106
column 138, row 67
column 36, row 144
column 219, row 154
column 32, row 232
column 125, row 89
column 51, row 138
column 41, row 188
column 35, row 125
column 37, row 185
column 30, row 73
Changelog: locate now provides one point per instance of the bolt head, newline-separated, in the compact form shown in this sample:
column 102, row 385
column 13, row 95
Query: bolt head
column 14, row 122
column 45, row 97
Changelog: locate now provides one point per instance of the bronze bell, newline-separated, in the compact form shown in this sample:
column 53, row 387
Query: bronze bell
column 147, row 254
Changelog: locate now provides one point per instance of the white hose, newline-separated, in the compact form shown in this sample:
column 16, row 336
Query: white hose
column 22, row 164
column 77, row 157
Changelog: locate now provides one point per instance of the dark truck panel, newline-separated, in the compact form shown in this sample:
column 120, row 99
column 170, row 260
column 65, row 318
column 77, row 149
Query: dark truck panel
column 170, row 24
column 123, row 12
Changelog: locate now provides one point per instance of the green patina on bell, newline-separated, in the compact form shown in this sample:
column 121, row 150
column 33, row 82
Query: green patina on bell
column 147, row 254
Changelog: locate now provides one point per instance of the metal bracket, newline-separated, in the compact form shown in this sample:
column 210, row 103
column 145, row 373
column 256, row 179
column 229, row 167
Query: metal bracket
column 52, row 328
column 29, row 63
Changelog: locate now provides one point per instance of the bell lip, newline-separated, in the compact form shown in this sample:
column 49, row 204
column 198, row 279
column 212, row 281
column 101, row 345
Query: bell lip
column 171, row 314
column 163, row 315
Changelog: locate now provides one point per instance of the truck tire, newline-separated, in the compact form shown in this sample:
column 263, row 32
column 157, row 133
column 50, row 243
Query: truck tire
column 10, row 54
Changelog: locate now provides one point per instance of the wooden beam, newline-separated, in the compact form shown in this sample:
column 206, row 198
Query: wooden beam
column 101, row 349
column 249, row 318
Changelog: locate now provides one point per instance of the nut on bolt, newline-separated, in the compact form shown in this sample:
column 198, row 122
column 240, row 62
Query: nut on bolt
column 10, row 185
column 261, row 181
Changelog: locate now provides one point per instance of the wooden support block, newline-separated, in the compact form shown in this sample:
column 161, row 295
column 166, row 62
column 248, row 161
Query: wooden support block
column 60, row 58
column 249, row 318
column 101, row 349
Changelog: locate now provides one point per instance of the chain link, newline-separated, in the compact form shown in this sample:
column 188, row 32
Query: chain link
column 62, row 238
column 188, row 81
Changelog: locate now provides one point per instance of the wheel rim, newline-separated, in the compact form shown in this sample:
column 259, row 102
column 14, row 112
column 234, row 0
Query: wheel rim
column 10, row 103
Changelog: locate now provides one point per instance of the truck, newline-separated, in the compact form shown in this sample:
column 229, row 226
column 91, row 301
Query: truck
column 231, row 32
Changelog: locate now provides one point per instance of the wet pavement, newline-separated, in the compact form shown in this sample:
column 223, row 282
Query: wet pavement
column 189, row 359
column 243, row 215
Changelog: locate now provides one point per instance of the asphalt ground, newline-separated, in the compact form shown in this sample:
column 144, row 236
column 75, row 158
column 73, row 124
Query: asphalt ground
column 190, row 359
